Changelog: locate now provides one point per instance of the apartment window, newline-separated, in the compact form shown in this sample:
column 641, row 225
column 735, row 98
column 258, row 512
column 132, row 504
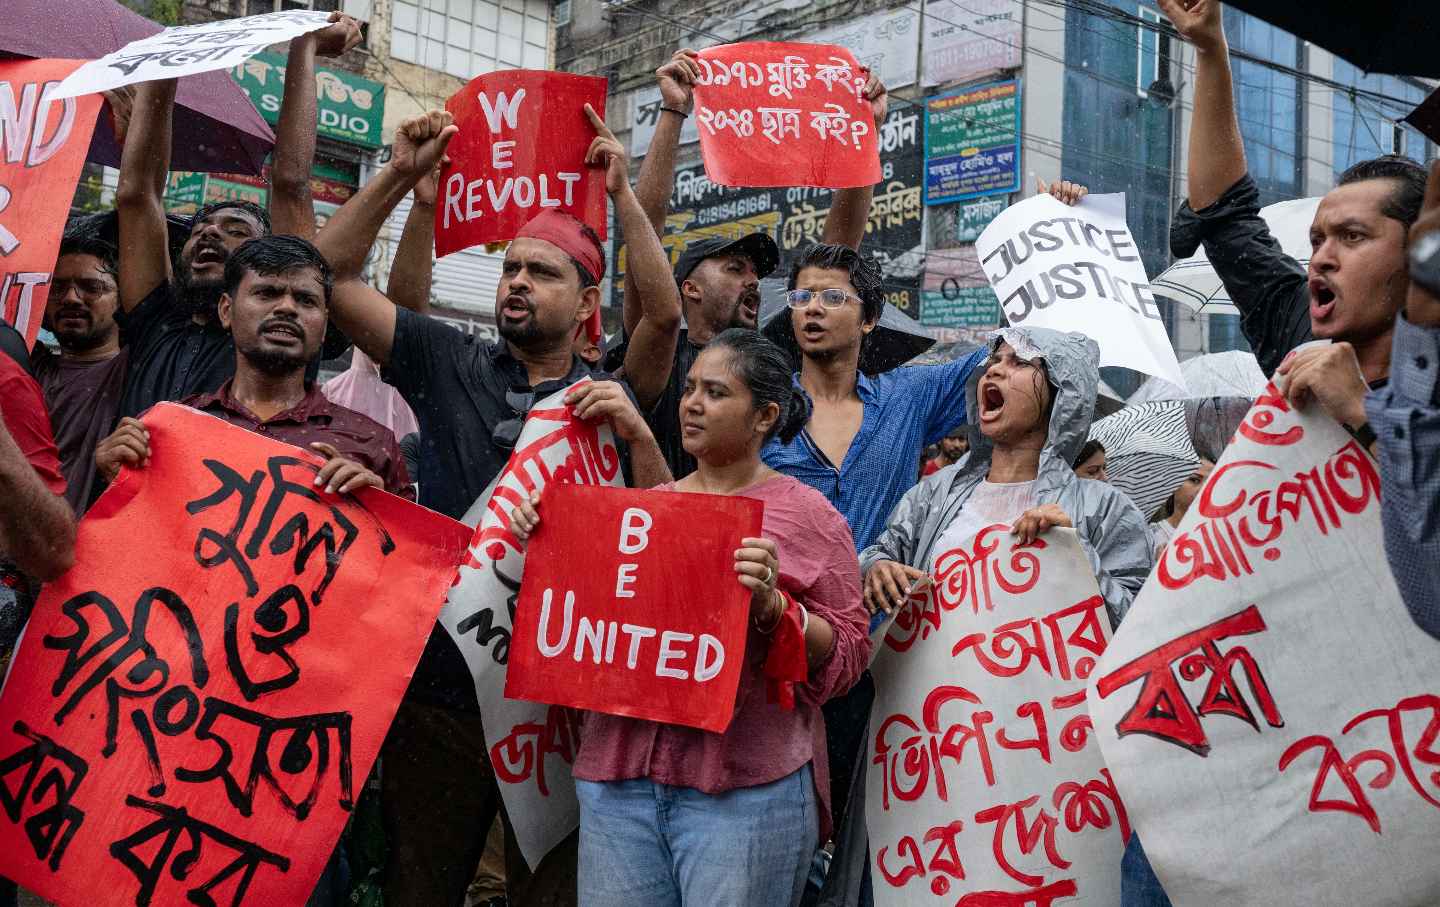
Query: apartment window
column 256, row 7
column 1268, row 104
column 468, row 37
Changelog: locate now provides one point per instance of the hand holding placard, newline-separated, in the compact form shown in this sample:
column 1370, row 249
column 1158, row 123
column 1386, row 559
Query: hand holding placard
column 677, row 80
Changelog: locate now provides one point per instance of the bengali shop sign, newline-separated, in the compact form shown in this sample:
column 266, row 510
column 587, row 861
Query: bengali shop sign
column 349, row 108
column 956, row 293
column 196, row 704
column 972, row 142
column 1268, row 707
column 520, row 149
column 43, row 142
column 985, row 784
column 965, row 39
column 532, row 745
column 785, row 114
column 613, row 617
column 1077, row 268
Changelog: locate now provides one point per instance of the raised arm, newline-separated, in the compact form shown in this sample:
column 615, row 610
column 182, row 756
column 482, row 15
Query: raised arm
column 292, row 207
column 850, row 208
column 140, row 195
column 651, row 351
column 37, row 527
column 361, row 312
column 413, row 269
column 1217, row 154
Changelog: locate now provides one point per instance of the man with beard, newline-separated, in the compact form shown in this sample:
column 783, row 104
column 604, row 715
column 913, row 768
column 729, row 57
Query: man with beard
column 471, row 397
column 82, row 385
column 168, row 314
column 718, row 278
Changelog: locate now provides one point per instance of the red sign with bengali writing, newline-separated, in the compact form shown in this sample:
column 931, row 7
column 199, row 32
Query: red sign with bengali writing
column 630, row 604
column 195, row 705
column 43, row 144
column 785, row 114
column 521, row 149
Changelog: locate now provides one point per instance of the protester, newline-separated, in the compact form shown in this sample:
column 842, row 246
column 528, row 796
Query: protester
column 470, row 397
column 952, row 447
column 718, row 278
column 1090, row 462
column 82, row 385
column 1176, row 506
column 673, row 815
column 167, row 314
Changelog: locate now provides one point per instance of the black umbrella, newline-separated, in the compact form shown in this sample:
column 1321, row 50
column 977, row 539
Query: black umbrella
column 1396, row 37
column 896, row 340
column 1426, row 117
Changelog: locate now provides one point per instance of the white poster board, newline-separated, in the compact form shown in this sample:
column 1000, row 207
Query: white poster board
column 985, row 785
column 966, row 39
column 1268, row 707
column 1077, row 268
column 184, row 50
column 531, row 746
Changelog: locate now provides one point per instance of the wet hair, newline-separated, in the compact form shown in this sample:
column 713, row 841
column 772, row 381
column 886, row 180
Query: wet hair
column 86, row 244
column 1091, row 448
column 1409, row 195
column 276, row 254
column 864, row 273
column 765, row 370
column 250, row 208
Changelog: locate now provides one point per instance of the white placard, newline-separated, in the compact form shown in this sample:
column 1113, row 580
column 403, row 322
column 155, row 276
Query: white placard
column 985, row 785
column 1268, row 707
column 531, row 746
column 1077, row 268
column 185, row 50
column 966, row 40
column 645, row 114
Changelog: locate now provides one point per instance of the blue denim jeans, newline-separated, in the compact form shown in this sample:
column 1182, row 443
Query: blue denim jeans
column 662, row 846
column 1139, row 886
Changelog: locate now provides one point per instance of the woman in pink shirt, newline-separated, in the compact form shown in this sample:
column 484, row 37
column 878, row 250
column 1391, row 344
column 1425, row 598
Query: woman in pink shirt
column 672, row 815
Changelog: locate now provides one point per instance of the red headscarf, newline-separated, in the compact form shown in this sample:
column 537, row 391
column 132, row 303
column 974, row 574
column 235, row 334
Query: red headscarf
column 571, row 236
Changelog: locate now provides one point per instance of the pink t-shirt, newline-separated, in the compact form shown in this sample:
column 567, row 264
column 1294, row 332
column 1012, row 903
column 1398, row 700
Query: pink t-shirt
column 764, row 742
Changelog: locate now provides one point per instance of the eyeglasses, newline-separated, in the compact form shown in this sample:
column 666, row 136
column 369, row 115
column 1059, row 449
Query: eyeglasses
column 832, row 298
column 507, row 433
column 87, row 288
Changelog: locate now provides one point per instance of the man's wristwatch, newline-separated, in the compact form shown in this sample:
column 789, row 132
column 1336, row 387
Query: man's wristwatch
column 1425, row 262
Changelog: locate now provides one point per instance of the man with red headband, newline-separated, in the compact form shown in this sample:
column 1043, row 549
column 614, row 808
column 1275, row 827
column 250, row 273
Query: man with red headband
column 470, row 397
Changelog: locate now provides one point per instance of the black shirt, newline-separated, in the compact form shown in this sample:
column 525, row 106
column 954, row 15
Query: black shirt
column 664, row 419
column 171, row 357
column 456, row 385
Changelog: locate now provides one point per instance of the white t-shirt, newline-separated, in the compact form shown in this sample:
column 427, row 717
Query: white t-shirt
column 988, row 504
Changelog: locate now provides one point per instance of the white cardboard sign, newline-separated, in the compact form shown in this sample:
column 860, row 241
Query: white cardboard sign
column 1077, row 268
column 531, row 745
column 185, row 50
column 1268, row 708
column 985, row 785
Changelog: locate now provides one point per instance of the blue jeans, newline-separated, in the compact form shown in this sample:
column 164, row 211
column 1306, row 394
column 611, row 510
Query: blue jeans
column 1139, row 886
column 662, row 846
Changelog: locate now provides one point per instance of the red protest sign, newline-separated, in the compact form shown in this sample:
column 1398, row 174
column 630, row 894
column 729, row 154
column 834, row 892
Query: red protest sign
column 196, row 704
column 520, row 149
column 630, row 606
column 43, row 143
column 775, row 113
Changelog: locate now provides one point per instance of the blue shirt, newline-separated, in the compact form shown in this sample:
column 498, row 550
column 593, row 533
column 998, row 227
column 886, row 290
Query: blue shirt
column 1405, row 416
column 904, row 410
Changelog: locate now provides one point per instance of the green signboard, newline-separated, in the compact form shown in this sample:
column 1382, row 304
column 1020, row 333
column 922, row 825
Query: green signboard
column 959, row 307
column 351, row 109
column 184, row 192
column 972, row 217
column 972, row 142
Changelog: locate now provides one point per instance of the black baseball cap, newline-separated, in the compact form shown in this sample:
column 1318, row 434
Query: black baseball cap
column 758, row 247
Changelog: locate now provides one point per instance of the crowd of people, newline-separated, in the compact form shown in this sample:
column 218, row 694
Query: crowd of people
column 230, row 315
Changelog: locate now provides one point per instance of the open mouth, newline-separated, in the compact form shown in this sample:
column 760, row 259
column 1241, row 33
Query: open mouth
column 750, row 306
column 515, row 308
column 208, row 255
column 992, row 401
column 1322, row 300
column 812, row 331
column 282, row 331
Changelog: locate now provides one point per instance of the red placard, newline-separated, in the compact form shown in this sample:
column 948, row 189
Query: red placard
column 520, row 149
column 777, row 113
column 196, row 704
column 630, row 605
column 42, row 148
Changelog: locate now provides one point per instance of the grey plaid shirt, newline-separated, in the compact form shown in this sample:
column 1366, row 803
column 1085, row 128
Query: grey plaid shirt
column 1405, row 416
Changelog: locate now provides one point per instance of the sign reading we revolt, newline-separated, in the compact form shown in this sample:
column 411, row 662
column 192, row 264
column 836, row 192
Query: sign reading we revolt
column 43, row 143
column 985, row 783
column 612, row 619
column 520, row 149
column 1077, row 268
column 532, row 745
column 1269, row 708
column 195, row 705
column 785, row 114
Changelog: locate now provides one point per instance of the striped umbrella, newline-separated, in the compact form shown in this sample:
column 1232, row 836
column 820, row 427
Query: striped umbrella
column 1148, row 451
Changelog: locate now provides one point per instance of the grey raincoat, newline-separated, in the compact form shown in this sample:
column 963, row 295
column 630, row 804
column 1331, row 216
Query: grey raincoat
column 1111, row 529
